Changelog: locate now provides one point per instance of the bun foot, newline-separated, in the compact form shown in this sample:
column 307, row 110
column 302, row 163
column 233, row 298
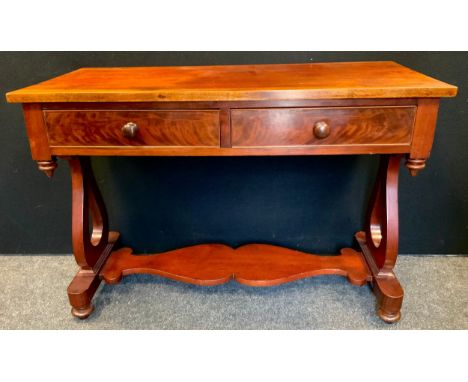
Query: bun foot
column 82, row 313
column 389, row 318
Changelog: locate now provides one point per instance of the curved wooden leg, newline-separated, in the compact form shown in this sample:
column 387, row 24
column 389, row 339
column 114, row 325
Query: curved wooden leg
column 92, row 243
column 379, row 243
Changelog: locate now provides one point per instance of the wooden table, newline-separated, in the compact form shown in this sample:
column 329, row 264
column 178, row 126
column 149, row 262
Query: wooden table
column 301, row 109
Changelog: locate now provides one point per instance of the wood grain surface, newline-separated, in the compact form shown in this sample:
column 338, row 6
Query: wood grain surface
column 155, row 128
column 295, row 127
column 196, row 151
column 384, row 79
column 253, row 264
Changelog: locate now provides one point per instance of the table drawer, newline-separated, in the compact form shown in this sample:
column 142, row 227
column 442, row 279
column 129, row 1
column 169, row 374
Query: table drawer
column 322, row 126
column 143, row 128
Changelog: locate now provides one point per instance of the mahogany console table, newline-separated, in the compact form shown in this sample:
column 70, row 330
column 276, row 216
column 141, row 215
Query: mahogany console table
column 301, row 109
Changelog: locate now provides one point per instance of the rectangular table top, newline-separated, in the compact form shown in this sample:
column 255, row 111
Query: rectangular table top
column 344, row 80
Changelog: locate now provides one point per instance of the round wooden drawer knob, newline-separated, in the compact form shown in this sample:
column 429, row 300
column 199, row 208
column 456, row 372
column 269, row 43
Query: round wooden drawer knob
column 321, row 129
column 130, row 129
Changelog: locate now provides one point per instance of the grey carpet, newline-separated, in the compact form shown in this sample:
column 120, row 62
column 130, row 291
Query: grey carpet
column 34, row 297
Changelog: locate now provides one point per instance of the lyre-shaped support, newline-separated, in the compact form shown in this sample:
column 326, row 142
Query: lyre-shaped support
column 379, row 242
column 92, row 243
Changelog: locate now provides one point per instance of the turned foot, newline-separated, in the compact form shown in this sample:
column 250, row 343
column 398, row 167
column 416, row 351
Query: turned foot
column 82, row 312
column 81, row 291
column 84, row 285
column 389, row 318
column 385, row 285
column 389, row 295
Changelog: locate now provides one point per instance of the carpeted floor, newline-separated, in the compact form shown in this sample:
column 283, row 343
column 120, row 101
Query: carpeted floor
column 34, row 297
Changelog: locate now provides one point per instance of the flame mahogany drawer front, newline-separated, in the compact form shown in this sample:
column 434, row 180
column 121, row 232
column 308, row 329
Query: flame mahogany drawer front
column 133, row 128
column 322, row 126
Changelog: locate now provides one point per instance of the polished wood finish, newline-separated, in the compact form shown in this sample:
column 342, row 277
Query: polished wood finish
column 230, row 152
column 236, row 83
column 254, row 265
column 37, row 132
column 207, row 105
column 302, row 109
column 152, row 128
column 346, row 126
column 91, row 244
column 322, row 129
column 224, row 109
column 130, row 130
column 225, row 127
column 379, row 242
column 423, row 136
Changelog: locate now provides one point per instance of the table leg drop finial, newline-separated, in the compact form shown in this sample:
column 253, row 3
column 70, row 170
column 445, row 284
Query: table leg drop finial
column 415, row 165
column 47, row 166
